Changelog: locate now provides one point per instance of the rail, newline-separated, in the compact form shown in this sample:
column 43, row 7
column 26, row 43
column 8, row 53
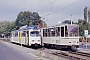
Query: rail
column 69, row 55
column 81, row 53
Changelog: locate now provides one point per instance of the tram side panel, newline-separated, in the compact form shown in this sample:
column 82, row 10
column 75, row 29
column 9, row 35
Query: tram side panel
column 68, row 42
column 61, row 41
column 67, row 37
column 15, row 37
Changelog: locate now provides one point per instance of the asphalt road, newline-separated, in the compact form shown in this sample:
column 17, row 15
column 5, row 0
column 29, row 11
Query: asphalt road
column 8, row 53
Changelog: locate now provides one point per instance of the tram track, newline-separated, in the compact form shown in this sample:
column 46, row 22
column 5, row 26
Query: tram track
column 81, row 53
column 68, row 54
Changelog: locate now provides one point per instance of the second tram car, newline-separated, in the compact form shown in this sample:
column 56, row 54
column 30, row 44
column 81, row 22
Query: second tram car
column 27, row 36
column 61, row 36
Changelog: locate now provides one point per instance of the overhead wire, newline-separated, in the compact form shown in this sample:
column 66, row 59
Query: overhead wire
column 52, row 6
column 50, row 9
column 47, row 5
column 58, row 9
column 67, row 6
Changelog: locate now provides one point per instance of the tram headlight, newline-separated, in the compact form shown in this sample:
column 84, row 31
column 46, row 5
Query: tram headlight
column 77, row 42
column 32, row 40
column 38, row 40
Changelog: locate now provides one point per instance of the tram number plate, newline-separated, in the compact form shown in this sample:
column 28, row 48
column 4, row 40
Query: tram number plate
column 57, row 41
column 74, row 42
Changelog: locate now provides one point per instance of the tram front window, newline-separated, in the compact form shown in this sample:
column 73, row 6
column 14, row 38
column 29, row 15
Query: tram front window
column 34, row 33
column 73, row 30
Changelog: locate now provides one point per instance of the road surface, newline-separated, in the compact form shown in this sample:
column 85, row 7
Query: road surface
column 8, row 53
column 84, row 46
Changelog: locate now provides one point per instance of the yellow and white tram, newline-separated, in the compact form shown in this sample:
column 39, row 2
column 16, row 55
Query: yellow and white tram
column 27, row 36
column 61, row 36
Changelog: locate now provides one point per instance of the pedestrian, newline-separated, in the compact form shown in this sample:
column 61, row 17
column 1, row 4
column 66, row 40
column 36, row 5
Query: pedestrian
column 83, row 41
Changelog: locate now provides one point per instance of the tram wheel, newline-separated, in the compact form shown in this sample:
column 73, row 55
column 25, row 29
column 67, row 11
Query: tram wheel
column 46, row 45
column 73, row 48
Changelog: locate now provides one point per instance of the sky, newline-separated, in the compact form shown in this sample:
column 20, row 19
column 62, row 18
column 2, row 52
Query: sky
column 53, row 11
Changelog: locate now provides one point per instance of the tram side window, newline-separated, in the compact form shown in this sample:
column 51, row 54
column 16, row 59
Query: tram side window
column 52, row 31
column 16, row 34
column 66, row 32
column 11, row 34
column 57, row 31
column 23, row 34
column 49, row 33
column 62, row 31
column 44, row 32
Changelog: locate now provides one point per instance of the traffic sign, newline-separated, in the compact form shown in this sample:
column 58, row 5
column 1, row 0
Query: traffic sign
column 85, row 32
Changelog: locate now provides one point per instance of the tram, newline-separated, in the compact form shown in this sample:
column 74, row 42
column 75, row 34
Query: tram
column 61, row 36
column 27, row 35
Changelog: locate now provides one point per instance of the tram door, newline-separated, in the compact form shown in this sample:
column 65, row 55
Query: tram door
column 27, row 38
column 20, row 37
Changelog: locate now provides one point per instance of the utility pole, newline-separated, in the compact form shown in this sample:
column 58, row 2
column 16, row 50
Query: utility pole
column 43, row 21
column 86, row 23
column 71, row 19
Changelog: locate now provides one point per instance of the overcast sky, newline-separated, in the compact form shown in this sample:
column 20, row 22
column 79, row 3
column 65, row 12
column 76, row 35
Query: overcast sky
column 52, row 10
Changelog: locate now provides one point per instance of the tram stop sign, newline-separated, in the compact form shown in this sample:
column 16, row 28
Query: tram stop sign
column 85, row 32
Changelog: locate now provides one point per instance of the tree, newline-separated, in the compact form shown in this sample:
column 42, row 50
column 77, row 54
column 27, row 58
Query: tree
column 85, row 14
column 89, row 14
column 85, row 17
column 89, row 20
column 8, row 28
column 27, row 18
column 81, row 27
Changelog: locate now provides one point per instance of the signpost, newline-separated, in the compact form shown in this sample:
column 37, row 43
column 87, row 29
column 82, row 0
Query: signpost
column 86, row 34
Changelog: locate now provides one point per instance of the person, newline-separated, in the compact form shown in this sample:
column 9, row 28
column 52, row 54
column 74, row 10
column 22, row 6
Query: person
column 83, row 40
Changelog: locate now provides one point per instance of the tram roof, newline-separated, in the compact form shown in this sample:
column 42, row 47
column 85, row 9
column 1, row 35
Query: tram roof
column 15, row 31
column 62, row 24
column 28, row 28
column 31, row 27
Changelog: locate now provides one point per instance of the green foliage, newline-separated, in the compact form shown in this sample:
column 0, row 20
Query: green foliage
column 89, row 20
column 8, row 29
column 81, row 30
column 85, row 13
column 27, row 18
